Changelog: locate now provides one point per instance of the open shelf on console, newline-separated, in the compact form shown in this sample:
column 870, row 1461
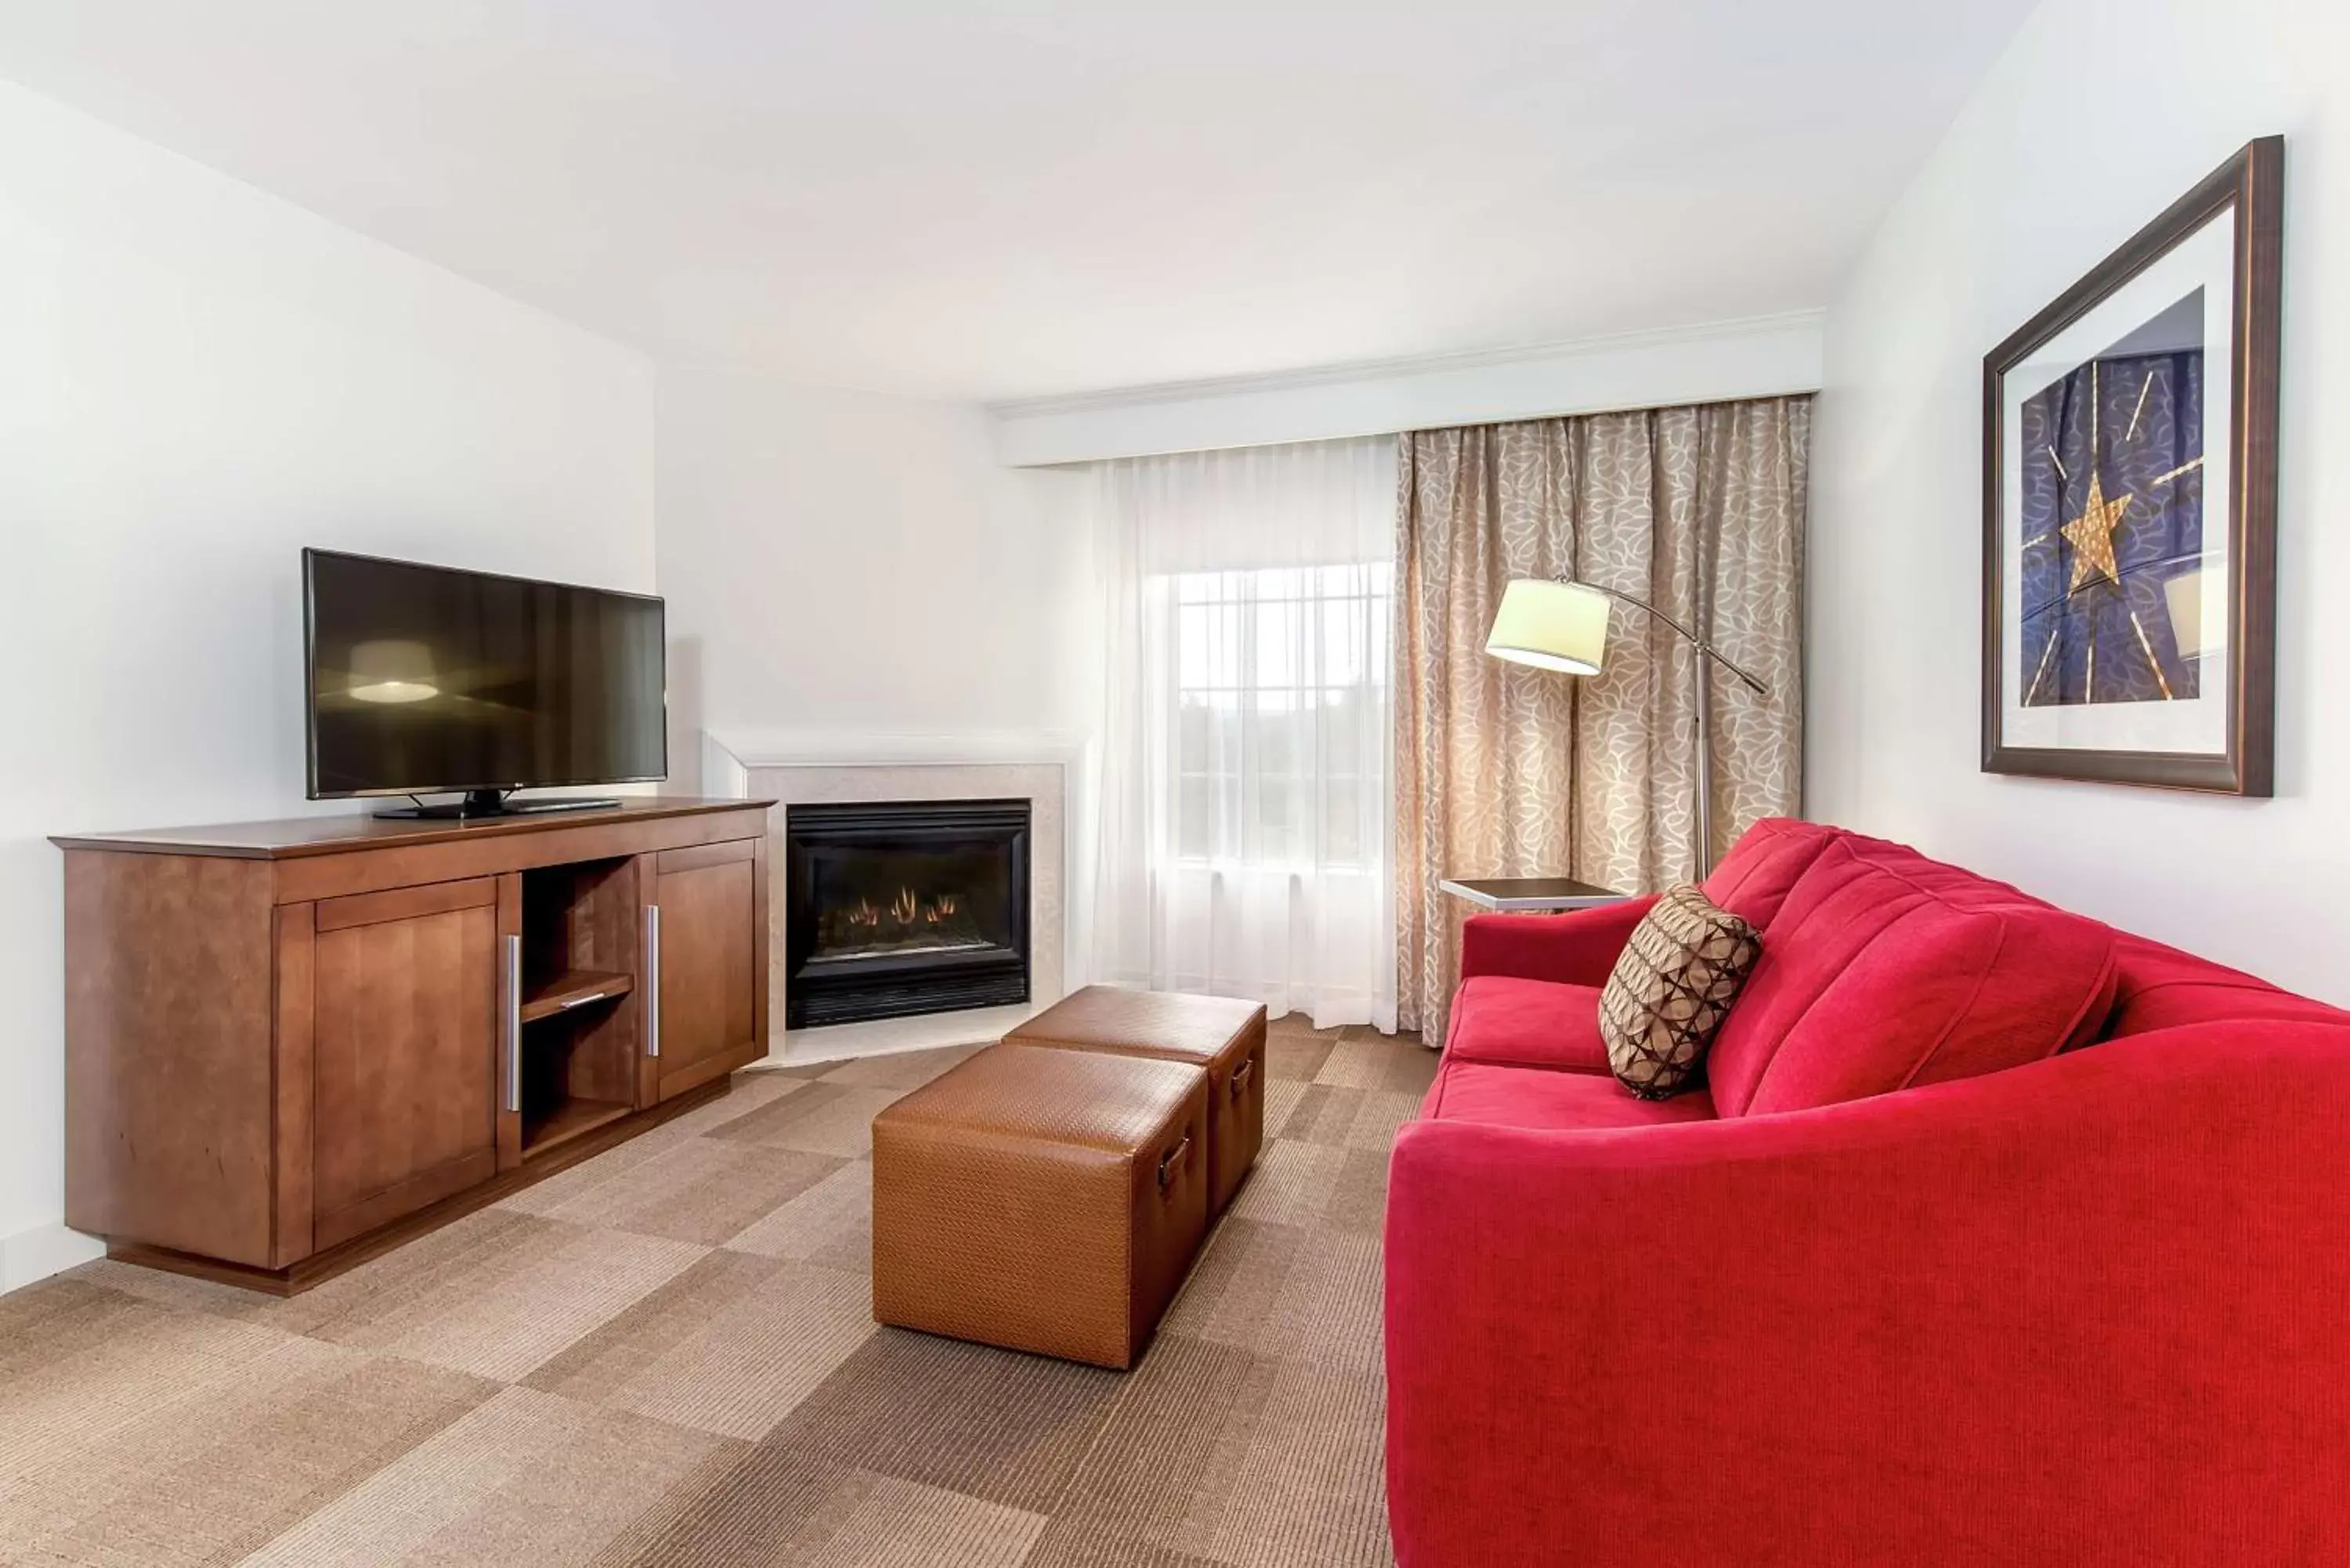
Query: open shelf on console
column 575, row 1074
column 563, row 1120
column 581, row 917
column 570, row 988
column 582, row 949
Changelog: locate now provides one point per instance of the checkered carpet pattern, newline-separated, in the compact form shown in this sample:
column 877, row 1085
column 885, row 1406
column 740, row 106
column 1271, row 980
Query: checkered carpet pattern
column 666, row 1355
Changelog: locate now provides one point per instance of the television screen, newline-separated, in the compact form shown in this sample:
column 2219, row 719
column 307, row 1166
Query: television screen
column 425, row 678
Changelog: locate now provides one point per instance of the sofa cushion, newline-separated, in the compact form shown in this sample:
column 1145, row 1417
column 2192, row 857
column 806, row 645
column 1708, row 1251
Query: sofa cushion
column 1533, row 1097
column 1881, row 971
column 1671, row 987
column 1971, row 890
column 1510, row 1021
column 1959, row 885
column 2159, row 987
column 1753, row 880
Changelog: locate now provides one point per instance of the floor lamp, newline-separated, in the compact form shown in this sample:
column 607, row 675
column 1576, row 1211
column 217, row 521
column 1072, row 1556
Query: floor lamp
column 1561, row 625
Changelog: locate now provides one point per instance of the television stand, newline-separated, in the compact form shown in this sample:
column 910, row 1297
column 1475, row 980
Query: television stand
column 290, row 1046
column 497, row 803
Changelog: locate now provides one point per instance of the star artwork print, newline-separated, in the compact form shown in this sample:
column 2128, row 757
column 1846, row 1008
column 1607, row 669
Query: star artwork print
column 2130, row 444
column 2112, row 521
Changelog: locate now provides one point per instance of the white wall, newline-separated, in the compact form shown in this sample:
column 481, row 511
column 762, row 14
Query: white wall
column 1761, row 356
column 196, row 379
column 846, row 563
column 2100, row 113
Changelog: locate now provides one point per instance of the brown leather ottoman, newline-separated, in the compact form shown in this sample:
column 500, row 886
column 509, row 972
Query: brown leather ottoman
column 1042, row 1200
column 1219, row 1034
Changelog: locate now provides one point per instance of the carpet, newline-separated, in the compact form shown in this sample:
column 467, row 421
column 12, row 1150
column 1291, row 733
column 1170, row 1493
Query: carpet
column 666, row 1355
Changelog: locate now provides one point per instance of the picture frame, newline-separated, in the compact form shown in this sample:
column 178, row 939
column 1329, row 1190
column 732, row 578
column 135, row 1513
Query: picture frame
column 2129, row 505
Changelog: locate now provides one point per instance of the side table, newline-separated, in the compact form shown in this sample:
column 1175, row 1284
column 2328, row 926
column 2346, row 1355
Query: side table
column 1530, row 895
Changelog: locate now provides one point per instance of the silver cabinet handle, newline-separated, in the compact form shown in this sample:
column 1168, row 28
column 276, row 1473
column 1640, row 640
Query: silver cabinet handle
column 513, row 1023
column 653, row 980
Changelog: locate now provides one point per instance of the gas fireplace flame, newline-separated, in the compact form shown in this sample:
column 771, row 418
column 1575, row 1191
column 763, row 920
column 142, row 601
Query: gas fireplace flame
column 907, row 910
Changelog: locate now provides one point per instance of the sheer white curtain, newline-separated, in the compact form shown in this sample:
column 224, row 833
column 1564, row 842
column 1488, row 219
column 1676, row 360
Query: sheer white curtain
column 1244, row 796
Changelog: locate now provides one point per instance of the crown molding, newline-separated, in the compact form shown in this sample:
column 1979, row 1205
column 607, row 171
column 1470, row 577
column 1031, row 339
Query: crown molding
column 1710, row 362
column 1406, row 365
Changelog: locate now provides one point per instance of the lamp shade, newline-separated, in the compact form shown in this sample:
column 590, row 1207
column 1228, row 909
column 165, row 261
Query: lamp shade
column 1551, row 626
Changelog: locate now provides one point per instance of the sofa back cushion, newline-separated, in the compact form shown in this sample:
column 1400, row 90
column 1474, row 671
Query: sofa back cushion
column 2161, row 988
column 1755, row 878
column 1883, row 970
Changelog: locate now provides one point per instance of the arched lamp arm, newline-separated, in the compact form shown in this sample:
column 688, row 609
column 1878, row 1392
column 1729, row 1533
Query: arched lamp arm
column 1694, row 640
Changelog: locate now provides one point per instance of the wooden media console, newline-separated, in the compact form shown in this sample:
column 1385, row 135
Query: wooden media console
column 290, row 1046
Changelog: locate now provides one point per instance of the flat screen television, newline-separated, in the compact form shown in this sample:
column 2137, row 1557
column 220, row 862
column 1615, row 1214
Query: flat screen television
column 423, row 679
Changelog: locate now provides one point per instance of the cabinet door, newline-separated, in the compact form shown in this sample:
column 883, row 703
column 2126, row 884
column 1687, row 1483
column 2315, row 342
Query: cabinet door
column 706, row 945
column 405, row 1059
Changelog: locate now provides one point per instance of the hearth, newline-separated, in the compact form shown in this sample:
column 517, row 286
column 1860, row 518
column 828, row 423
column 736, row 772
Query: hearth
column 898, row 907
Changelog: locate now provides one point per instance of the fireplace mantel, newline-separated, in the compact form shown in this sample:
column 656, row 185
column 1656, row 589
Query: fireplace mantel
column 728, row 755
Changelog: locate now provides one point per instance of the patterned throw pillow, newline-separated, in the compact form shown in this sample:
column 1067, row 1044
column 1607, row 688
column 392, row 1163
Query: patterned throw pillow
column 1671, row 990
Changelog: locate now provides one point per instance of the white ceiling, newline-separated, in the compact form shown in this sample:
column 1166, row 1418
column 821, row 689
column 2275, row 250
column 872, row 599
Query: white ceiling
column 964, row 199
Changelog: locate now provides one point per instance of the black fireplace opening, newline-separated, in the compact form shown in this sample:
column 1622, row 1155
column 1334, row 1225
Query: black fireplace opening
column 898, row 908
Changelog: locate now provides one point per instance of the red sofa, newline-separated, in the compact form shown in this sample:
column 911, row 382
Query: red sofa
column 1998, row 1237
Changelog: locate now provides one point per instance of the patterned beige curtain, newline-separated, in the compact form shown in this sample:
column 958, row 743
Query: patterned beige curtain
column 1505, row 771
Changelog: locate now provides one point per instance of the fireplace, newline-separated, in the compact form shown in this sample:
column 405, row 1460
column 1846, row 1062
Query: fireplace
column 898, row 908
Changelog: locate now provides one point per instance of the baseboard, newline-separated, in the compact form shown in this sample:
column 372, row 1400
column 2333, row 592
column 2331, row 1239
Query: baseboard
column 43, row 1250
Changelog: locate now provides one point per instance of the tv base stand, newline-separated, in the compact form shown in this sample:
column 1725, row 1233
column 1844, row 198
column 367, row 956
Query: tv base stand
column 485, row 802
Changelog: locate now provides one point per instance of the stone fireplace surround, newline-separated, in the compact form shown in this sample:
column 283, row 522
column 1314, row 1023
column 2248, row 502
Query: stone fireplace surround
column 805, row 767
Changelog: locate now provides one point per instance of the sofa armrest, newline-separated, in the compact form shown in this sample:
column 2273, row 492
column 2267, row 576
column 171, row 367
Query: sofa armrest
column 2095, row 1310
column 1577, row 949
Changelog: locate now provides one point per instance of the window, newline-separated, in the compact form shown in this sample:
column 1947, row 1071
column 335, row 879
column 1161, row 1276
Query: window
column 1280, row 713
column 1243, row 803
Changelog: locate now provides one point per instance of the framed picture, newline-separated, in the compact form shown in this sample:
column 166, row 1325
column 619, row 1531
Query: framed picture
column 2129, row 505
